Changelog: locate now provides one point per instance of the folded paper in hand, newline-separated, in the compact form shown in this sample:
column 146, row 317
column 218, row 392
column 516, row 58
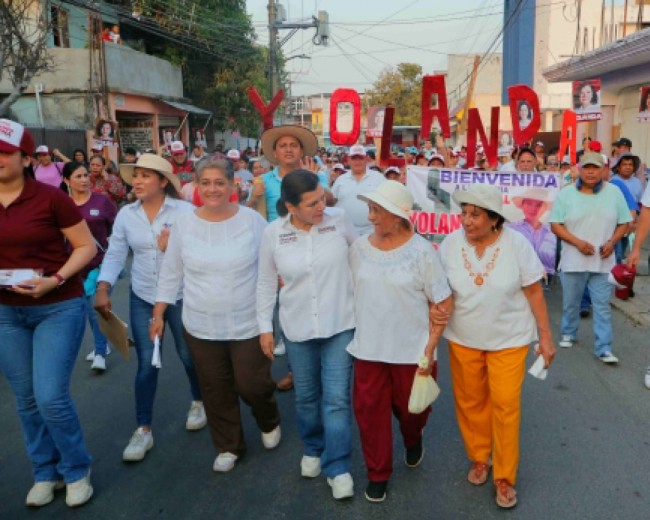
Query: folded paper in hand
column 115, row 331
column 155, row 358
column 538, row 370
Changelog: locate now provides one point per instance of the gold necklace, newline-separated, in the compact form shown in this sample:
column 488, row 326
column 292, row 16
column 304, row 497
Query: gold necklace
column 479, row 278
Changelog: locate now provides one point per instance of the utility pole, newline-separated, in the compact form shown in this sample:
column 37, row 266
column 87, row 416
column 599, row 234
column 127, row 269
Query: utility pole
column 273, row 40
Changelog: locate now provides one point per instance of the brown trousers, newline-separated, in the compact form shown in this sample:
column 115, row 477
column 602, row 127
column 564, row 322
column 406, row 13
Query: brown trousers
column 228, row 370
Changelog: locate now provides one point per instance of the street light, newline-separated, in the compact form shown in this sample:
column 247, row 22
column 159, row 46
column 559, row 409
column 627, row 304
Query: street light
column 299, row 56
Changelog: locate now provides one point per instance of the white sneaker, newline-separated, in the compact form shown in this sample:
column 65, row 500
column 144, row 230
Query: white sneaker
column 566, row 341
column 90, row 356
column 272, row 439
column 108, row 350
column 342, row 486
column 224, row 462
column 280, row 349
column 79, row 492
column 99, row 364
column 310, row 466
column 141, row 442
column 647, row 378
column 43, row 492
column 608, row 358
column 196, row 418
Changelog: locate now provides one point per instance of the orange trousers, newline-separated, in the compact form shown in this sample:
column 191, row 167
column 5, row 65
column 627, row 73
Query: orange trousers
column 487, row 392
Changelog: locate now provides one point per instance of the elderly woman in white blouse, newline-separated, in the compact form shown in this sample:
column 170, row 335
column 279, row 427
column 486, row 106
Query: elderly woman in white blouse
column 397, row 275
column 308, row 249
column 499, row 309
column 213, row 254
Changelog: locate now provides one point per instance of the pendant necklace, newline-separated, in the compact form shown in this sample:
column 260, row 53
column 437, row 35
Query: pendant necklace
column 479, row 278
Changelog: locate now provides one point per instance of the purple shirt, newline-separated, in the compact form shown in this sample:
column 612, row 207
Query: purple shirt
column 543, row 240
column 99, row 212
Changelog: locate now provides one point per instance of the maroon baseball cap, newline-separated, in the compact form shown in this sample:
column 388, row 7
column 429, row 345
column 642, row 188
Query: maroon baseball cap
column 15, row 137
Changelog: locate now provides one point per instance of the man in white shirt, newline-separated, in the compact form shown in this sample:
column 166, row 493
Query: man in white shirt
column 360, row 179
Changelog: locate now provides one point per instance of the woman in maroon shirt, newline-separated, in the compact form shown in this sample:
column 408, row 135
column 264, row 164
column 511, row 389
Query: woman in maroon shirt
column 99, row 213
column 42, row 318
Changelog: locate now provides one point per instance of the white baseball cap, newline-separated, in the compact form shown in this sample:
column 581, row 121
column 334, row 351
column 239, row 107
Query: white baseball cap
column 177, row 147
column 357, row 149
column 42, row 149
column 233, row 155
column 338, row 166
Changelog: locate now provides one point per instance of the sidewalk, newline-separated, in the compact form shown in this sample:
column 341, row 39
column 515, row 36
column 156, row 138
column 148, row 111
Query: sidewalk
column 637, row 309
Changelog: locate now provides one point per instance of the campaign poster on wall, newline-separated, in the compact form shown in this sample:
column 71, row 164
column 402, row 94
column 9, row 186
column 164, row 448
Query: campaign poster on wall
column 586, row 100
column 644, row 106
column 528, row 199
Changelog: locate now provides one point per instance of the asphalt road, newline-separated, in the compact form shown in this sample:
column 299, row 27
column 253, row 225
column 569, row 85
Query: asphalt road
column 584, row 435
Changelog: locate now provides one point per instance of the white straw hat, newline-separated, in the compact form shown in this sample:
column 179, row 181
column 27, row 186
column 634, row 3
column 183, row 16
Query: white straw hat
column 392, row 196
column 151, row 162
column 484, row 196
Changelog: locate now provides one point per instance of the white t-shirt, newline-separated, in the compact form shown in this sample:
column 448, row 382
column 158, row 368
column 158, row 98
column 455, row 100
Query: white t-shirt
column 592, row 218
column 217, row 263
column 645, row 200
column 495, row 315
column 392, row 290
column 346, row 188
column 316, row 299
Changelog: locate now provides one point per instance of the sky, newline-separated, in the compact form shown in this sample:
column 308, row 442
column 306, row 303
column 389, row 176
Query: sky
column 367, row 36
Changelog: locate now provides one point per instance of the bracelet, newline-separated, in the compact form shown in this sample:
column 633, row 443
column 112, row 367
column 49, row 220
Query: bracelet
column 152, row 320
column 59, row 278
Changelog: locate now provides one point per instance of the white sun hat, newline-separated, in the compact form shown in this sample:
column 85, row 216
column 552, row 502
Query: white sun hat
column 393, row 196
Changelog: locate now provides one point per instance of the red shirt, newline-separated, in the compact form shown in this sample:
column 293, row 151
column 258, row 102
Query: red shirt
column 30, row 237
column 184, row 172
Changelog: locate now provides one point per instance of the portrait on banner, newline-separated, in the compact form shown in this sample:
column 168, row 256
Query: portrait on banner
column 586, row 100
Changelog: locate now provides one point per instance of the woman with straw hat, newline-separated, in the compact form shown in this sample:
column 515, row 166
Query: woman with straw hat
column 144, row 227
column 494, row 274
column 396, row 275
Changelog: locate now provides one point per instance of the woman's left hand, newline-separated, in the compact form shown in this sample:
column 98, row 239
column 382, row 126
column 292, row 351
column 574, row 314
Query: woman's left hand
column 36, row 287
column 546, row 349
column 426, row 371
column 163, row 239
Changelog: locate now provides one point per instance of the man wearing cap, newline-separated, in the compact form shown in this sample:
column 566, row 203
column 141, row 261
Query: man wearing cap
column 590, row 217
column 358, row 180
column 182, row 166
column 337, row 170
column 624, row 146
column 46, row 170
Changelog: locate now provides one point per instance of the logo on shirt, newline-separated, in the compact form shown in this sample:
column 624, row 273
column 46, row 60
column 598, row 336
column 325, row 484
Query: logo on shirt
column 287, row 238
column 326, row 229
column 94, row 212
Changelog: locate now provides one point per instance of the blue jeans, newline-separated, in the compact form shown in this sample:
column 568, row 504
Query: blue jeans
column 322, row 371
column 600, row 290
column 38, row 349
column 620, row 248
column 101, row 343
column 146, row 378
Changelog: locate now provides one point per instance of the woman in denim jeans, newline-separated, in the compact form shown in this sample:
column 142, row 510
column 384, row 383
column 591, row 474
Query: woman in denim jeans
column 144, row 227
column 307, row 247
column 42, row 315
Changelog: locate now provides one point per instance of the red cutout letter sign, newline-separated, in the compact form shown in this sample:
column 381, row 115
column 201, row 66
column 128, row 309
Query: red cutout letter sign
column 524, row 112
column 266, row 111
column 474, row 124
column 434, row 85
column 387, row 134
column 568, row 136
column 345, row 95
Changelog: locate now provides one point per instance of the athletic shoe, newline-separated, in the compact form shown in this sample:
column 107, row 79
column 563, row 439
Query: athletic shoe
column 141, row 442
column 280, row 349
column 272, row 438
column 224, row 462
column 90, row 356
column 376, row 491
column 414, row 455
column 608, row 358
column 647, row 378
column 99, row 364
column 196, row 418
column 566, row 341
column 342, row 486
column 310, row 466
column 79, row 492
column 42, row 493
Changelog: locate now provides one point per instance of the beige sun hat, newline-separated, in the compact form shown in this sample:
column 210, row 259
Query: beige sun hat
column 484, row 196
column 534, row 194
column 306, row 137
column 393, row 196
column 151, row 162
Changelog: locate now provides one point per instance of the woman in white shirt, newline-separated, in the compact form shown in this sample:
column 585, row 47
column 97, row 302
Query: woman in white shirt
column 144, row 228
column 499, row 307
column 212, row 255
column 397, row 274
column 308, row 249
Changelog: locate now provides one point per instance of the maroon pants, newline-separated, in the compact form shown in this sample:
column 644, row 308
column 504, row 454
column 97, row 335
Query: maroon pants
column 228, row 370
column 379, row 389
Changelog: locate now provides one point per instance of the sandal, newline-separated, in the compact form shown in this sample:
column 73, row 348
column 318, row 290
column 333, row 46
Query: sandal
column 478, row 473
column 506, row 496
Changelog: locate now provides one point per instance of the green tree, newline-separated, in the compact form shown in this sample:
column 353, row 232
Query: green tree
column 401, row 87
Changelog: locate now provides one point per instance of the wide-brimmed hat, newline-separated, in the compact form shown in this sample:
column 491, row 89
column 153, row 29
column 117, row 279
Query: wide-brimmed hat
column 393, row 196
column 306, row 137
column 150, row 161
column 627, row 155
column 484, row 196
column 534, row 194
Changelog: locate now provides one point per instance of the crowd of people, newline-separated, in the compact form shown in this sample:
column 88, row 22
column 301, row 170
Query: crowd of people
column 311, row 253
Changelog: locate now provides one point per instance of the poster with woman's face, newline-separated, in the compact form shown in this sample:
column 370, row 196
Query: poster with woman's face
column 644, row 106
column 166, row 136
column 586, row 100
column 375, row 121
column 506, row 143
column 105, row 131
column 525, row 113
column 199, row 137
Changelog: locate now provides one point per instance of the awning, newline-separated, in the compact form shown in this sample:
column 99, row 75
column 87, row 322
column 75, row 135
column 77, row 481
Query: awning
column 185, row 107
